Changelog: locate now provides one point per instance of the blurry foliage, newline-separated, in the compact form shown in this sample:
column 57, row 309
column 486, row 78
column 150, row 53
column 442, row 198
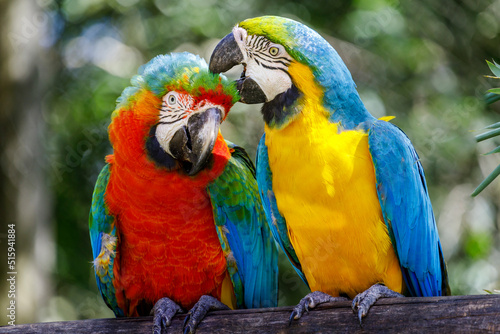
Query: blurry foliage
column 478, row 245
column 494, row 129
column 420, row 61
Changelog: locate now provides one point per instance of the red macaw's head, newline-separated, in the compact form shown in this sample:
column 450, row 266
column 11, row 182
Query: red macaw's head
column 173, row 112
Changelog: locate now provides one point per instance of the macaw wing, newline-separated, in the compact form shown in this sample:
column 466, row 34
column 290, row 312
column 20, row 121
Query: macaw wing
column 251, row 254
column 103, row 240
column 407, row 210
column 276, row 221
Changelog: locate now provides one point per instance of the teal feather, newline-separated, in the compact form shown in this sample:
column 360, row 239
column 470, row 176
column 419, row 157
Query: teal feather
column 243, row 230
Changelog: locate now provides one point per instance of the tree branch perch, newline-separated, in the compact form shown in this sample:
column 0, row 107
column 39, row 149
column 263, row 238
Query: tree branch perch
column 457, row 314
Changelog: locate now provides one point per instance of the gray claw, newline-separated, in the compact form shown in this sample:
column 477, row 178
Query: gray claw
column 365, row 300
column 311, row 300
column 200, row 310
column 163, row 312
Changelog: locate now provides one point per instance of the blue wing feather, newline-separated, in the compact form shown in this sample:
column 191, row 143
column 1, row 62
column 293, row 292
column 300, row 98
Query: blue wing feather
column 251, row 253
column 102, row 227
column 276, row 221
column 407, row 210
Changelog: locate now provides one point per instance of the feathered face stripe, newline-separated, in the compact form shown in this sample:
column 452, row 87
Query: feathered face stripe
column 266, row 53
column 175, row 107
column 266, row 64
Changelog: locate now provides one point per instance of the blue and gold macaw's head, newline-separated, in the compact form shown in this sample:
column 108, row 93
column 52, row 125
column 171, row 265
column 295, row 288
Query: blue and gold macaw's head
column 285, row 63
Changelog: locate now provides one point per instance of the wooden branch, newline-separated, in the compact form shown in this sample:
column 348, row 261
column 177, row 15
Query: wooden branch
column 457, row 314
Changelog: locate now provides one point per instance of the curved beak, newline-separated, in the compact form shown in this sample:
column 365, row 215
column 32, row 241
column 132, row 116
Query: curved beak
column 225, row 56
column 193, row 144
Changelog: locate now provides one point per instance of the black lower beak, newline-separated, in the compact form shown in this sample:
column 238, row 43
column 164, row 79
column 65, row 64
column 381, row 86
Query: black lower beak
column 192, row 145
column 250, row 91
column 225, row 56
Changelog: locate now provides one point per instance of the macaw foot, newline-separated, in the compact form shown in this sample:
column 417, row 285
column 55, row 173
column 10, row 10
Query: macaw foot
column 200, row 310
column 311, row 300
column 163, row 312
column 363, row 301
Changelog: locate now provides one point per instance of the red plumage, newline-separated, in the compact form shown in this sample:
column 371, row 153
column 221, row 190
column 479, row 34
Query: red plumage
column 167, row 242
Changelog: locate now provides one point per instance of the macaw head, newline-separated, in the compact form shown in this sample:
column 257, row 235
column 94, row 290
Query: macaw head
column 284, row 60
column 179, row 106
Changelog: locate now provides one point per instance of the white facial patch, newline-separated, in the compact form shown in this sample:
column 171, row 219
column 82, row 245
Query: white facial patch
column 174, row 114
column 272, row 82
column 165, row 132
column 265, row 62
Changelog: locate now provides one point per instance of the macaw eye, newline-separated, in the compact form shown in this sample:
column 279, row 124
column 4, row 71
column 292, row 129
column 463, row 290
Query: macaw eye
column 171, row 99
column 273, row 51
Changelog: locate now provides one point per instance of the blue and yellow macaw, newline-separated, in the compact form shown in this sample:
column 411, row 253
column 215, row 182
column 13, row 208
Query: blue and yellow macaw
column 344, row 193
column 176, row 221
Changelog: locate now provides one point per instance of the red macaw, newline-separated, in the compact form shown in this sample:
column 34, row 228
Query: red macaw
column 176, row 215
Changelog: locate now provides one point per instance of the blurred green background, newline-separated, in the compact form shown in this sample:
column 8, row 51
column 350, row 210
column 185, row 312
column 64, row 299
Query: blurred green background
column 64, row 63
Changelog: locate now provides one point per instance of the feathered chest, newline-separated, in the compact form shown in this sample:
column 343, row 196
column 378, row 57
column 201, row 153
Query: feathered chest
column 312, row 159
column 325, row 188
column 167, row 241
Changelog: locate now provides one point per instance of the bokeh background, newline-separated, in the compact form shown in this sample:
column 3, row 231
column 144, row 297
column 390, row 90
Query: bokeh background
column 64, row 63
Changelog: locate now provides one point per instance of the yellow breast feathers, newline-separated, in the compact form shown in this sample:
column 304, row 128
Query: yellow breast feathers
column 324, row 183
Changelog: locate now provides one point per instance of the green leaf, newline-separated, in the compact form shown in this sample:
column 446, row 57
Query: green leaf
column 493, row 126
column 494, row 292
column 488, row 135
column 496, row 150
column 494, row 67
column 494, row 90
column 486, row 181
column 491, row 98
